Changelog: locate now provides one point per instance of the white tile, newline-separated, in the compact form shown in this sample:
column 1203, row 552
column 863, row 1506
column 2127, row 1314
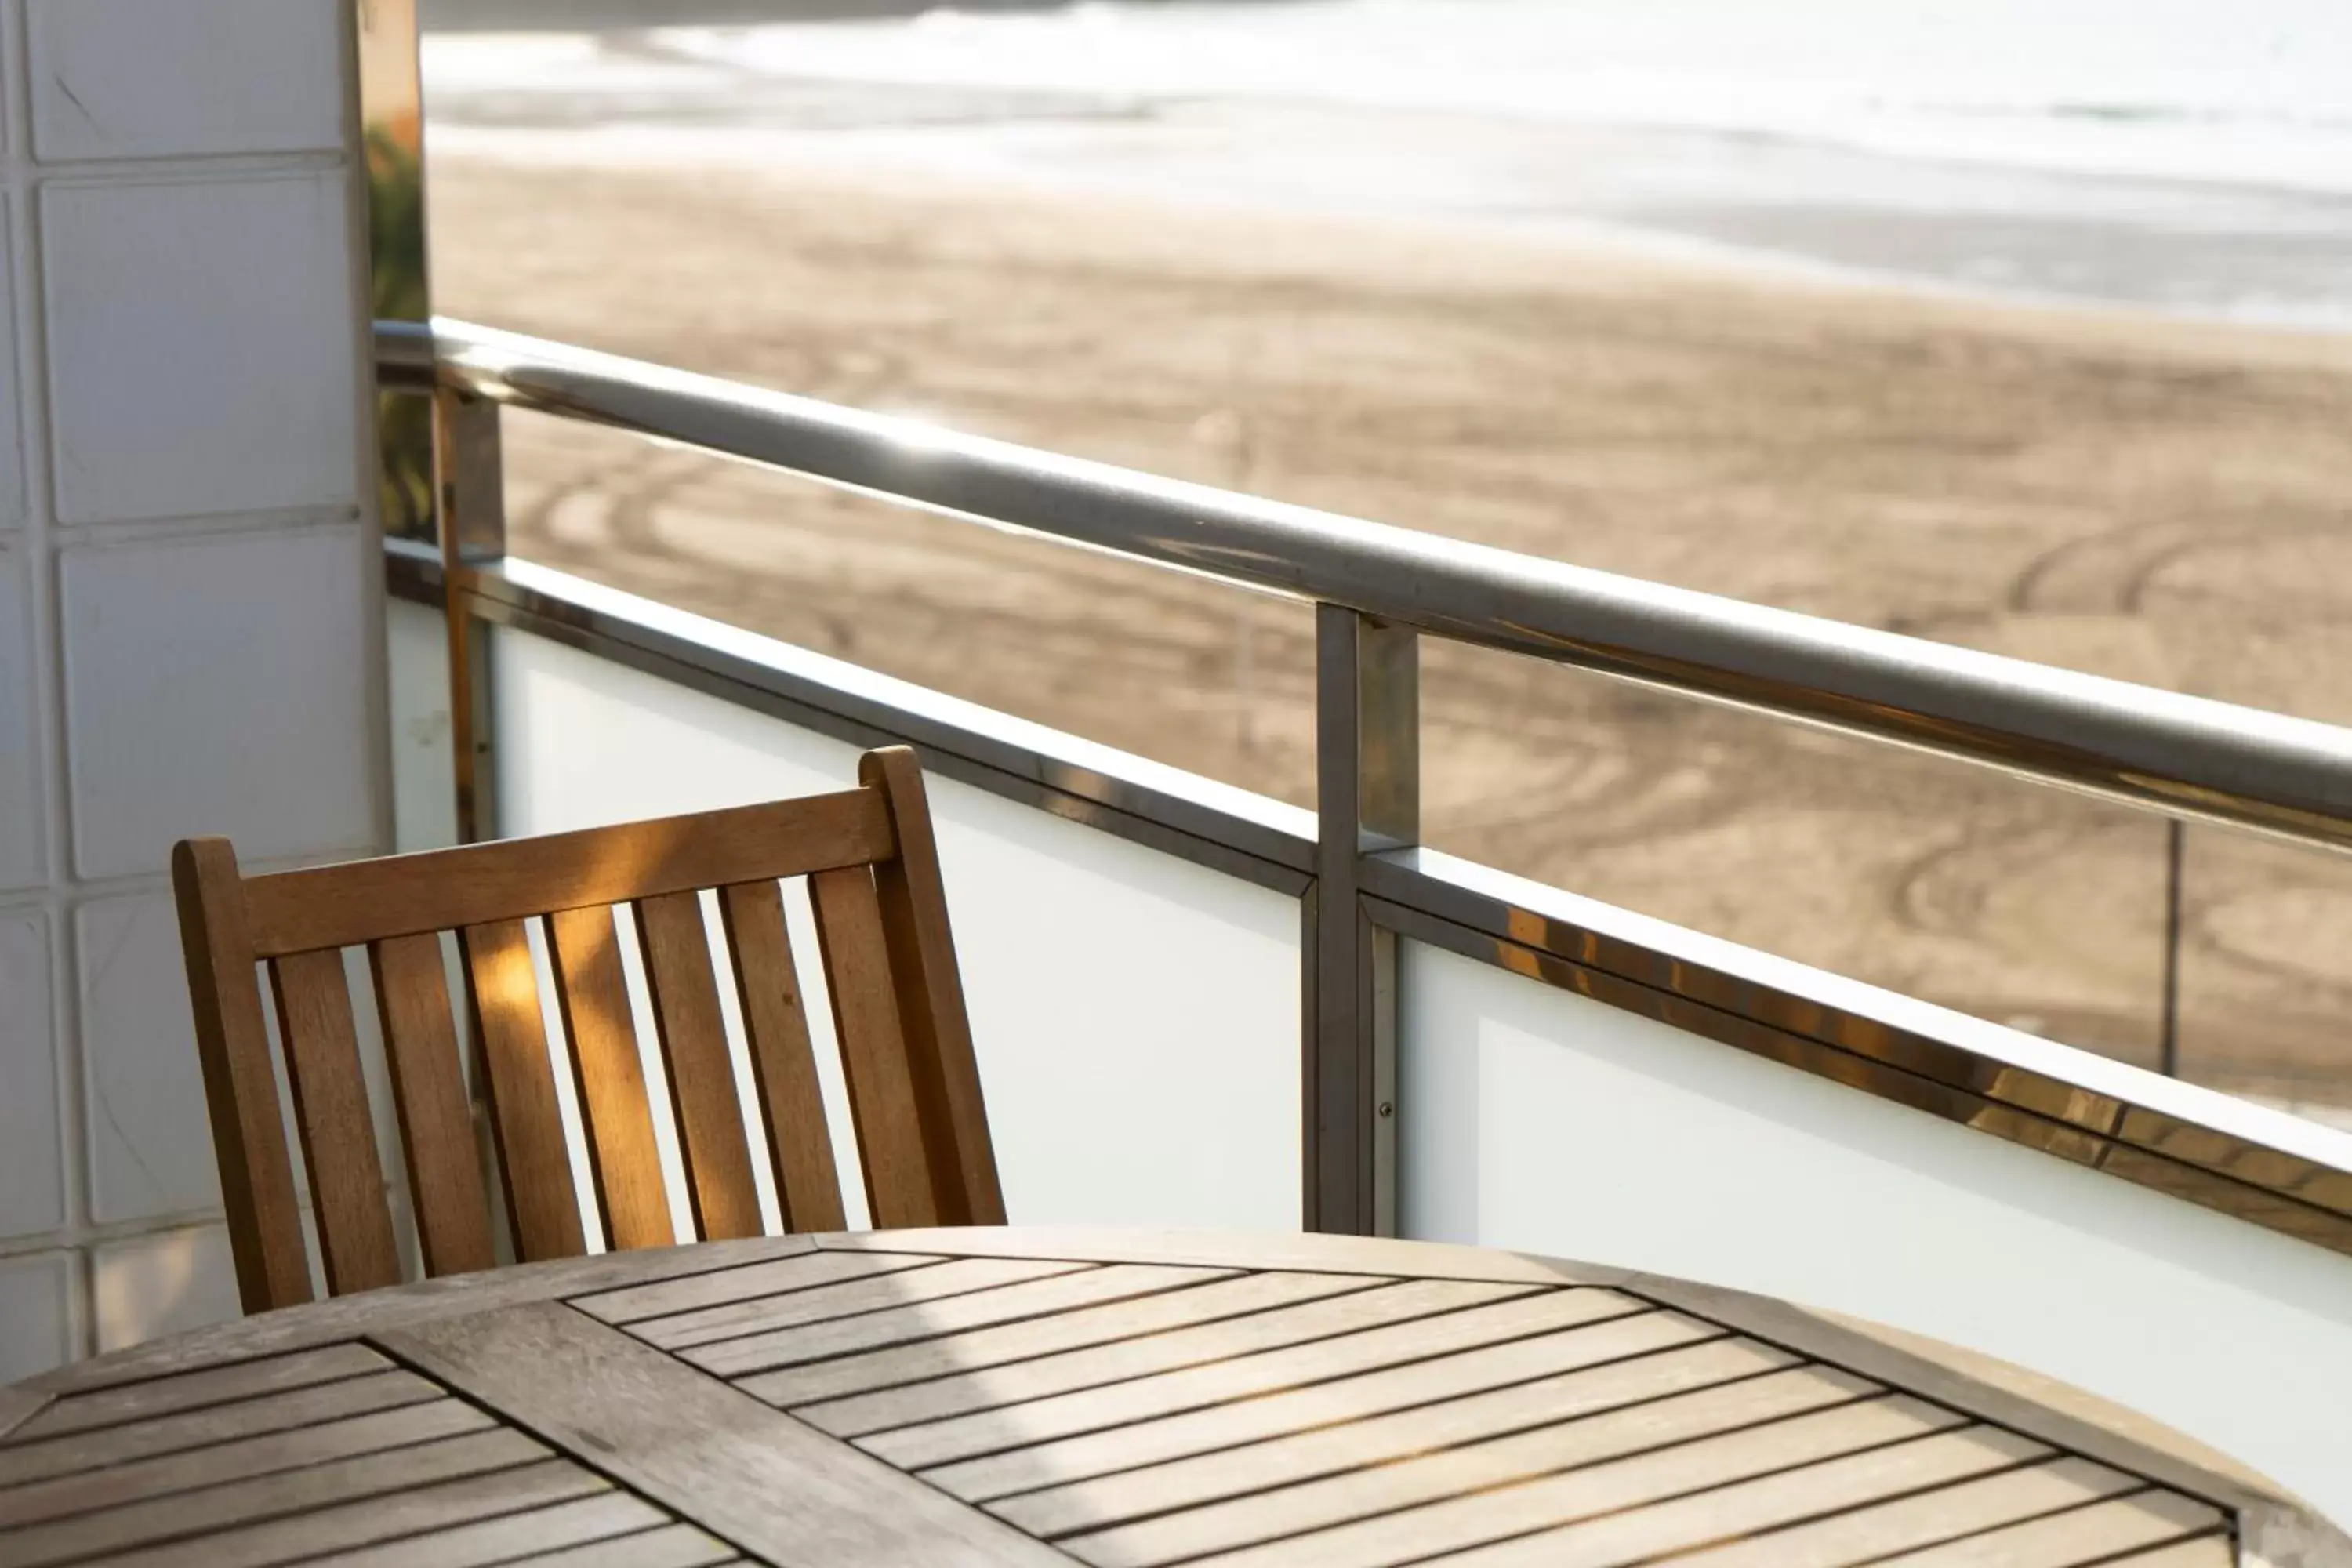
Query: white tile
column 203, row 345
column 37, row 1316
column 150, row 1145
column 32, row 1171
column 166, row 1283
column 23, row 863
column 218, row 684
column 124, row 79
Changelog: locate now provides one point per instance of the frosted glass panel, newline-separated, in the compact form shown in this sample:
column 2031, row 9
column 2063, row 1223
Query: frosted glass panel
column 1136, row 1016
column 1540, row 1120
column 424, row 790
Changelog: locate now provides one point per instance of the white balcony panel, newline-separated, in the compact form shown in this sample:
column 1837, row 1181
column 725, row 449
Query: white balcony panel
column 127, row 79
column 1136, row 1015
column 1535, row 1119
column 37, row 1310
column 424, row 804
column 164, row 1283
column 32, row 1171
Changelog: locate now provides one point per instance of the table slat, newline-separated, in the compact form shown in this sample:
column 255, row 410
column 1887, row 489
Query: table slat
column 1414, row 1449
column 742, row 1470
column 799, row 1307
column 1462, row 1473
column 2077, row 1535
column 347, row 1526
column 188, row 1391
column 219, row 1508
column 1887, row 1435
column 115, row 1485
column 504, row 1538
column 793, row 1349
column 1130, row 1405
column 672, row 1546
column 1025, row 1339
column 1866, row 1535
column 122, row 1443
column 718, row 1287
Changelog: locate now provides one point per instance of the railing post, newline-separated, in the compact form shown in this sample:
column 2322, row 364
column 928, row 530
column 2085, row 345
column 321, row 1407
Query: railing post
column 469, row 466
column 1367, row 798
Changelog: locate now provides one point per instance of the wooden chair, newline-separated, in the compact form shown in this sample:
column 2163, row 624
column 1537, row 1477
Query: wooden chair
column 889, row 964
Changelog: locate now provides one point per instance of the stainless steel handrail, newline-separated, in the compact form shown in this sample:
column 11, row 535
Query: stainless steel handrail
column 2182, row 754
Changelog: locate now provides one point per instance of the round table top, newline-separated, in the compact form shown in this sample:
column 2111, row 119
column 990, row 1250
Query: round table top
column 1113, row 1398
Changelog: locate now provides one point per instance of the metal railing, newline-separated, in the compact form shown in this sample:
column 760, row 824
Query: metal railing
column 1378, row 589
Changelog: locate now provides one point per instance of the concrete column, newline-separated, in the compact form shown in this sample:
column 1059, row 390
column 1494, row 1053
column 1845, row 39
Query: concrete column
column 191, row 618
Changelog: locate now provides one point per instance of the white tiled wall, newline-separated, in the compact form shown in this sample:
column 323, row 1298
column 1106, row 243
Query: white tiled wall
column 189, row 597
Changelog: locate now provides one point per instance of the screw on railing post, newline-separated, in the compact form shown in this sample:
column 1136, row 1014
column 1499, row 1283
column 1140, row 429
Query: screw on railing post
column 470, row 487
column 2168, row 1035
column 1367, row 798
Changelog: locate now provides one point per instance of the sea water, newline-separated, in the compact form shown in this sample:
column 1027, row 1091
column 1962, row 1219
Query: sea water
column 2185, row 155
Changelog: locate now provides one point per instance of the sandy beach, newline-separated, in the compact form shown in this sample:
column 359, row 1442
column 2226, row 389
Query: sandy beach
column 2157, row 500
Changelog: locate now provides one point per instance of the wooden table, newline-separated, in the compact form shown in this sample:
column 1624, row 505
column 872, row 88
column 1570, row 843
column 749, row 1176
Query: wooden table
column 1034, row 1397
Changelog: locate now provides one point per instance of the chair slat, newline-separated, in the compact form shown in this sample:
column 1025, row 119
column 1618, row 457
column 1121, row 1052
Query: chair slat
column 899, row 1190
column 622, row 1153
column 930, row 996
column 240, row 1088
column 330, row 1113
column 428, row 1095
column 540, row 1202
column 701, row 1072
column 767, row 986
column 447, row 889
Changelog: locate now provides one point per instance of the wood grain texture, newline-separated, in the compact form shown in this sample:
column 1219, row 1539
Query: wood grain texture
column 18, row 1405
column 128, row 1444
column 216, row 1509
column 542, row 1206
column 504, row 1538
column 2207, row 1551
column 1890, row 1439
column 2059, row 1540
column 743, row 1472
column 485, row 884
column 1851, row 1480
column 718, row 1286
column 937, row 1406
column 113, row 1485
column 429, row 1094
column 163, row 1396
column 807, row 1360
column 802, row 1305
column 915, row 927
column 940, row 1378
column 783, row 1061
column 256, row 1176
column 1143, row 1407
column 388, row 1516
column 1442, row 1480
column 1866, row 1535
column 624, row 1160
column 896, row 1161
column 331, row 1115
column 672, row 1546
column 1424, row 1451
column 693, row 1034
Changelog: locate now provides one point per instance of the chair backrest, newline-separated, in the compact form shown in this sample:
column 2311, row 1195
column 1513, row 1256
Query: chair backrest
column 873, row 875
